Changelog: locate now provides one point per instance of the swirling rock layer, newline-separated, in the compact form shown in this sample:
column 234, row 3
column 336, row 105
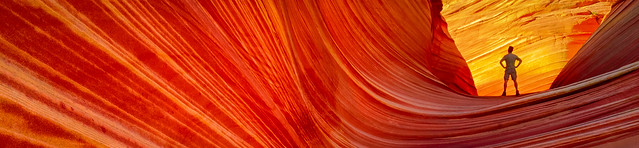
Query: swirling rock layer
column 613, row 45
column 276, row 74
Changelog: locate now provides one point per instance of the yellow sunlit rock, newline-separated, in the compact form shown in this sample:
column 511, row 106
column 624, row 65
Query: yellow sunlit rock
column 545, row 35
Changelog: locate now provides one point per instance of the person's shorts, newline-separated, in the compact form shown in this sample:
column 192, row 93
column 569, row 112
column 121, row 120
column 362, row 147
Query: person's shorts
column 510, row 72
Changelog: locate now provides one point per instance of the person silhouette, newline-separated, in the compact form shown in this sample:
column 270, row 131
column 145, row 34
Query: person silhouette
column 510, row 59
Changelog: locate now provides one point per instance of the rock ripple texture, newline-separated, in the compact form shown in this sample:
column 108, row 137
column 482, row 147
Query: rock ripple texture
column 185, row 73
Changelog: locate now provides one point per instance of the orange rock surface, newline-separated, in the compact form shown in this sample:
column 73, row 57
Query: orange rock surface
column 602, row 53
column 545, row 34
column 182, row 73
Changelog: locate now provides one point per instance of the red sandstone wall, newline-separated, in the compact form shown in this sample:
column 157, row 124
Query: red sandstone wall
column 613, row 45
column 273, row 74
column 225, row 73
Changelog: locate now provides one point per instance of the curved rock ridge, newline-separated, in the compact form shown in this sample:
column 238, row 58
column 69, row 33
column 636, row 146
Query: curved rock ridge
column 276, row 74
column 613, row 45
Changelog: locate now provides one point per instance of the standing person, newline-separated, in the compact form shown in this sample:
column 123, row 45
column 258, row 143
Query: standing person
column 510, row 59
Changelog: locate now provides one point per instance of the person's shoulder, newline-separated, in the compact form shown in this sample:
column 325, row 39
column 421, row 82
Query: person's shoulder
column 516, row 57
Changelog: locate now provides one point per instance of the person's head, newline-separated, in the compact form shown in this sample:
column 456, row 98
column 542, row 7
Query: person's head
column 510, row 49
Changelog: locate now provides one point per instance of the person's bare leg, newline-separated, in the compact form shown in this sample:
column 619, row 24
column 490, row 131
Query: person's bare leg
column 517, row 89
column 505, row 84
